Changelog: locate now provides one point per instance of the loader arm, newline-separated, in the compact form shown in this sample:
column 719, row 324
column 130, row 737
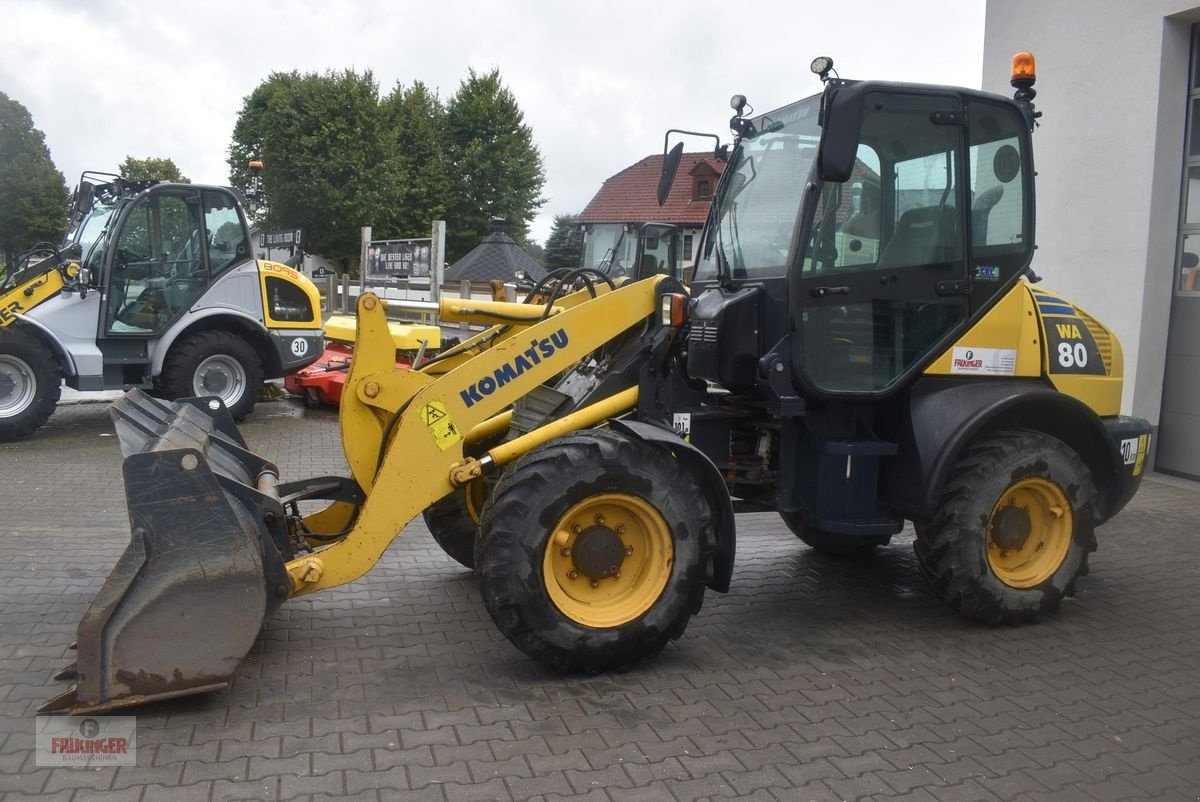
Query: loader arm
column 420, row 421
column 472, row 347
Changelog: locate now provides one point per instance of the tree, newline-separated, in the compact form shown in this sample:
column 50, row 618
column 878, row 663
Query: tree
column 33, row 194
column 536, row 252
column 415, row 117
column 562, row 246
column 249, row 134
column 329, row 165
column 152, row 169
column 495, row 168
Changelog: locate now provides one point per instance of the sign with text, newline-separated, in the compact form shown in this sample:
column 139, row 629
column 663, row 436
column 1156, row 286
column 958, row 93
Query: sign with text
column 398, row 258
column 282, row 238
column 84, row 741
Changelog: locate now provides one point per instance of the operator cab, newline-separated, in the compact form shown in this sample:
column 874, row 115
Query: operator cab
column 169, row 244
column 855, row 232
column 632, row 250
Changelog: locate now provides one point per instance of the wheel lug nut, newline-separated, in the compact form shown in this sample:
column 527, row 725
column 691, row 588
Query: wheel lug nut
column 566, row 552
column 595, row 584
column 577, row 529
column 628, row 550
column 616, row 574
column 620, row 530
column 573, row 575
column 599, row 519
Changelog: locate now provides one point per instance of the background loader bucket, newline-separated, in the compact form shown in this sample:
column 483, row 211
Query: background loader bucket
column 204, row 567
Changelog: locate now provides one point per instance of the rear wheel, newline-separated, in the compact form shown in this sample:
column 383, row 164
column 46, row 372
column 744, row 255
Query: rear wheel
column 454, row 521
column 833, row 543
column 216, row 363
column 30, row 384
column 592, row 551
column 1014, row 529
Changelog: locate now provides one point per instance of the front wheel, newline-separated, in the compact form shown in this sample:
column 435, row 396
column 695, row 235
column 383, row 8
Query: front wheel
column 216, row 363
column 1014, row 529
column 30, row 384
column 592, row 551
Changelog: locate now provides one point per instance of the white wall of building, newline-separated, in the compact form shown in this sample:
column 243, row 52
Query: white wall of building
column 1112, row 85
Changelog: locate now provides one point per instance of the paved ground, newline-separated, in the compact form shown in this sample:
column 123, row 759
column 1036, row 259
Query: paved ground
column 811, row 680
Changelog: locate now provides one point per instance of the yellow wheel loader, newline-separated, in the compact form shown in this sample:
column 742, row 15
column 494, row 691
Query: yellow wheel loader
column 155, row 288
column 862, row 344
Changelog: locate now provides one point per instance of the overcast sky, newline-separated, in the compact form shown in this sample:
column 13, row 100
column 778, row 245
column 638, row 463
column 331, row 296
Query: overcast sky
column 599, row 82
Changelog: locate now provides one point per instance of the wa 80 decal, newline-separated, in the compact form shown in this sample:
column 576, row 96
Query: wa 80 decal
column 538, row 350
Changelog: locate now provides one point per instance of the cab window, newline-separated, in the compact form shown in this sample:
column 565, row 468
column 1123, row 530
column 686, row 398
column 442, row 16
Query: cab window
column 227, row 244
column 157, row 266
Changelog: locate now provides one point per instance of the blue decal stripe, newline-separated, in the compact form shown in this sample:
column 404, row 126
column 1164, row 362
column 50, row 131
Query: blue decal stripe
column 1055, row 309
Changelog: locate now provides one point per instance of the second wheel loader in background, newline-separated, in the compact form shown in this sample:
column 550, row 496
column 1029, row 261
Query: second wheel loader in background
column 156, row 287
column 860, row 346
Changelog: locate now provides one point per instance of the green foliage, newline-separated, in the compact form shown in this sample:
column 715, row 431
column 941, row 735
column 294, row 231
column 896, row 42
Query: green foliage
column 416, row 117
column 536, row 252
column 496, row 169
column 336, row 157
column 329, row 164
column 33, row 194
column 564, row 242
column 152, row 169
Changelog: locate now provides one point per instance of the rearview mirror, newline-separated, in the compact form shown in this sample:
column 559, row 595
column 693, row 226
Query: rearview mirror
column 81, row 202
column 841, row 120
column 670, row 166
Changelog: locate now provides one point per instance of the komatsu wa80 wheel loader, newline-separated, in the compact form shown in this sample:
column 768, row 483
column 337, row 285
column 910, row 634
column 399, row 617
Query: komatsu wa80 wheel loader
column 861, row 345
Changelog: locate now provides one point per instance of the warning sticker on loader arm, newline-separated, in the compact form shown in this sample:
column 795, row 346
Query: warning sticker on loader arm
column 441, row 425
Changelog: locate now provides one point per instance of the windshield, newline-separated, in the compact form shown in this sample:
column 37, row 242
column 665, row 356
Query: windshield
column 90, row 236
column 93, row 225
column 607, row 249
column 750, row 227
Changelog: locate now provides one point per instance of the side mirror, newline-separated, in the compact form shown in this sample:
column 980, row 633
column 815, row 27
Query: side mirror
column 81, row 203
column 669, row 168
column 841, row 121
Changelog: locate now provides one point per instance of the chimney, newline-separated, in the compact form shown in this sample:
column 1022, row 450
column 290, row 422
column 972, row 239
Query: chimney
column 499, row 225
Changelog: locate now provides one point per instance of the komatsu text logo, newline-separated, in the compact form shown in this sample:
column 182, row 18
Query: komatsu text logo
column 537, row 351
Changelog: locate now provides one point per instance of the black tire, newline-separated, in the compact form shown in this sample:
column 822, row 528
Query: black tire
column 214, row 357
column 454, row 522
column 836, row 544
column 30, row 384
column 661, row 554
column 1004, row 563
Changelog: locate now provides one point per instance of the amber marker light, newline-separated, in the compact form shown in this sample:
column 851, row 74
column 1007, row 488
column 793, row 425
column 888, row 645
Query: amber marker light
column 1024, row 68
column 255, row 165
column 675, row 309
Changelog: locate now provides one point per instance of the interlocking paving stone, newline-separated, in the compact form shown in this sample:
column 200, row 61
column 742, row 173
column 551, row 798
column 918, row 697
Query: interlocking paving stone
column 813, row 679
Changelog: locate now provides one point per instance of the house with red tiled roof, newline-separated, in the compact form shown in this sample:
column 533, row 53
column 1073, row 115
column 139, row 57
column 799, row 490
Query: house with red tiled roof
column 631, row 197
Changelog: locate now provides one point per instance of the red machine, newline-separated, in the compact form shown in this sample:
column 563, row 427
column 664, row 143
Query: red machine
column 320, row 384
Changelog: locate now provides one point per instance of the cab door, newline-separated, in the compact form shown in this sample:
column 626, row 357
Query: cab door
column 156, row 264
column 883, row 276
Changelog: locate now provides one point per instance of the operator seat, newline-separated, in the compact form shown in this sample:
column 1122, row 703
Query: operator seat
column 923, row 236
column 981, row 210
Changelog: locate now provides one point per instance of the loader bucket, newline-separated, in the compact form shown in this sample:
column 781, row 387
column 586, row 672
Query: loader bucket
column 204, row 567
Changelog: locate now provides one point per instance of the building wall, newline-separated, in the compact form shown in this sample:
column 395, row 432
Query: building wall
column 1112, row 84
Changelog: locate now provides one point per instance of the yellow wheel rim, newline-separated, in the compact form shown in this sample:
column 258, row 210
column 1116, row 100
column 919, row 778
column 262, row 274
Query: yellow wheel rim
column 1029, row 533
column 607, row 560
